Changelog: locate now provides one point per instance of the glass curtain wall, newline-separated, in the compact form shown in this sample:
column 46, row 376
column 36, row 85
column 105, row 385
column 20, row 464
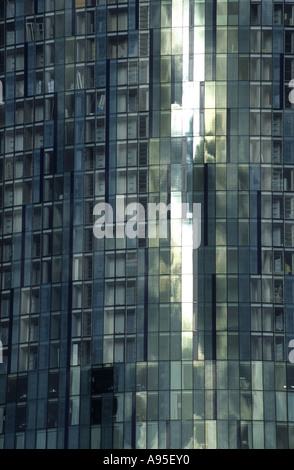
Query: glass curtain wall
column 146, row 342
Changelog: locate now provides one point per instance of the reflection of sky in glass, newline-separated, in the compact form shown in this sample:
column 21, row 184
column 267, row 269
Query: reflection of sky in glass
column 185, row 122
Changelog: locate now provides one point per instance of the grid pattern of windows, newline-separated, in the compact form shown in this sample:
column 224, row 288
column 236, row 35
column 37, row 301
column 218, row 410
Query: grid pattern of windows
column 146, row 343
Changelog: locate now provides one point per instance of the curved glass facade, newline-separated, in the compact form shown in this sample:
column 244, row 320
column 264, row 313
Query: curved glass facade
column 135, row 343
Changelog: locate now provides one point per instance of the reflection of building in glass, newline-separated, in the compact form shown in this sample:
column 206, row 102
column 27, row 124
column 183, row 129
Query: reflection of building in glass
column 145, row 343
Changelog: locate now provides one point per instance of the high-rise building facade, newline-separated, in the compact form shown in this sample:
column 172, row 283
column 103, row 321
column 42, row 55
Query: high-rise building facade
column 141, row 342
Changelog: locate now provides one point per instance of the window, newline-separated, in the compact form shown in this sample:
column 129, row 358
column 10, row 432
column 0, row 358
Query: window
column 117, row 47
column 255, row 14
